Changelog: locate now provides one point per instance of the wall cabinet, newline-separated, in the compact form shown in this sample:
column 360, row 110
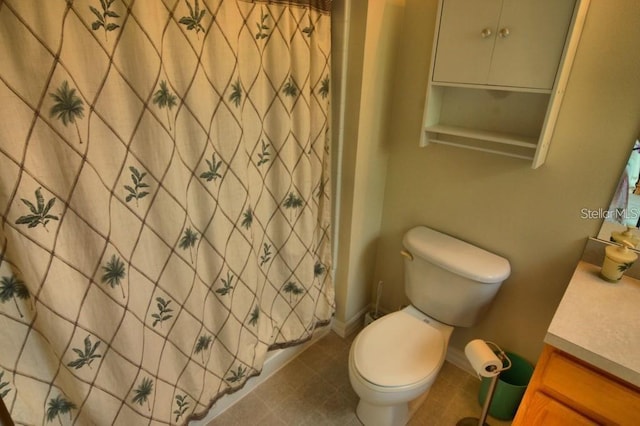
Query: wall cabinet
column 567, row 391
column 499, row 70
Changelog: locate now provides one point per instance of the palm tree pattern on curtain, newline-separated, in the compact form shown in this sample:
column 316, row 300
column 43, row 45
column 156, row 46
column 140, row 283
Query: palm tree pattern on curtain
column 164, row 175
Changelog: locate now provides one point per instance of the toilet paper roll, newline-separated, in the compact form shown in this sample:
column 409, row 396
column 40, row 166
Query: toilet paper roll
column 482, row 358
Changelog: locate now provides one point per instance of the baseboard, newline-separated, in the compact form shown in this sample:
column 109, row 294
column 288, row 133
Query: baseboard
column 344, row 329
column 457, row 357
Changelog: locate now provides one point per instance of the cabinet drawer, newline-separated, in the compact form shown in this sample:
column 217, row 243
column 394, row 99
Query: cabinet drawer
column 590, row 392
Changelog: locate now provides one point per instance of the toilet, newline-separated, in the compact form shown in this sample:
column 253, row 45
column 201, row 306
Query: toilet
column 394, row 361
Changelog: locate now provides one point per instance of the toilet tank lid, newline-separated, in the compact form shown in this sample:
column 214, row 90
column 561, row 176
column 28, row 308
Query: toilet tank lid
column 456, row 256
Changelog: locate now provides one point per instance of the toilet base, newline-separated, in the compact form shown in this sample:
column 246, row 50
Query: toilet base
column 389, row 415
column 382, row 415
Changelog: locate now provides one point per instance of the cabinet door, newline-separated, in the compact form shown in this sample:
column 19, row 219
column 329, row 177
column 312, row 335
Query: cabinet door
column 529, row 42
column 465, row 40
column 545, row 411
column 579, row 386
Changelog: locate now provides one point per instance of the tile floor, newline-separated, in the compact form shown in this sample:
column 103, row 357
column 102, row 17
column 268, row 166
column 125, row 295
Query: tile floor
column 314, row 389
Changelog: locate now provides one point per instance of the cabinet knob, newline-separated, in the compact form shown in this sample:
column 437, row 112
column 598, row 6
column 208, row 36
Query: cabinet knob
column 504, row 32
column 486, row 32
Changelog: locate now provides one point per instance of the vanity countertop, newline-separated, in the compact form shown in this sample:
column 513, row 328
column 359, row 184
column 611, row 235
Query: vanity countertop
column 599, row 322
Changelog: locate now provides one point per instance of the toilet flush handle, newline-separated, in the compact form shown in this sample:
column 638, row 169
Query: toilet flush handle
column 406, row 254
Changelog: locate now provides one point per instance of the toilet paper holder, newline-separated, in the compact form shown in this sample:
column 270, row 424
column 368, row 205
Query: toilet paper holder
column 502, row 356
column 492, row 371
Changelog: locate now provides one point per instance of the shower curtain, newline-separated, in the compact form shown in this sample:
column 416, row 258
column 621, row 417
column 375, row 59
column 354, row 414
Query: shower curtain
column 164, row 201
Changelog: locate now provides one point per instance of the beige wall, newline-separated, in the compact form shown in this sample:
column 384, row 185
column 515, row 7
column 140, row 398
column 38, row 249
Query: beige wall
column 532, row 217
column 370, row 40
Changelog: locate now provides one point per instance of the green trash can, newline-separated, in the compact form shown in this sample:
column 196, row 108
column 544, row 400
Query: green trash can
column 509, row 390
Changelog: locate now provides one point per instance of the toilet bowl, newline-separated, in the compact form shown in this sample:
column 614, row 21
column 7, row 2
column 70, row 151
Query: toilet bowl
column 393, row 362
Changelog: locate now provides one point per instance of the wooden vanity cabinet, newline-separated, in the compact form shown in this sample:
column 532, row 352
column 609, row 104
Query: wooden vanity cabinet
column 567, row 391
column 498, row 75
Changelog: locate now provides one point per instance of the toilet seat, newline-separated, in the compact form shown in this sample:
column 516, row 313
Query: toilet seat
column 398, row 350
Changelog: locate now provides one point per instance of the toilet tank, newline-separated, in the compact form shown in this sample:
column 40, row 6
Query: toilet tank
column 448, row 279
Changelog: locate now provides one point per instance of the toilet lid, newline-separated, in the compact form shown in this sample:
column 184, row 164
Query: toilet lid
column 398, row 350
